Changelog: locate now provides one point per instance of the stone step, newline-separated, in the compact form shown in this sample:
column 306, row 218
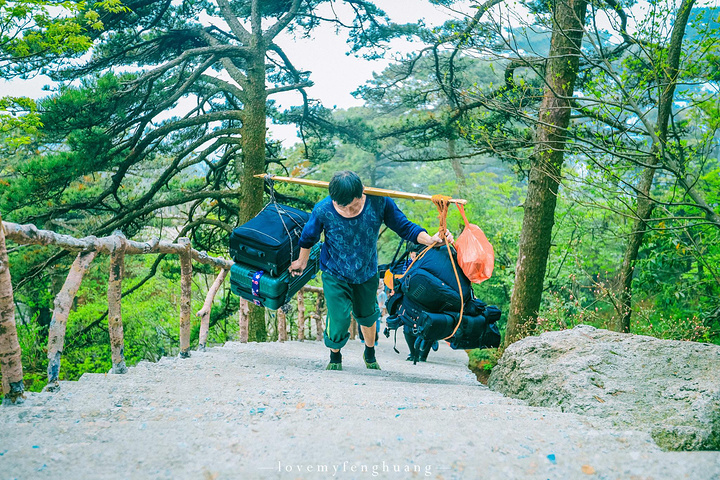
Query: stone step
column 259, row 410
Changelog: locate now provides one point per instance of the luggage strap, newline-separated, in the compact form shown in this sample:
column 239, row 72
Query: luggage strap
column 279, row 209
column 255, row 287
column 442, row 202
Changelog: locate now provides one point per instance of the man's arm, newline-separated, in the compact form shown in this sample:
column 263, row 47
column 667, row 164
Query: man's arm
column 396, row 220
column 399, row 223
column 309, row 237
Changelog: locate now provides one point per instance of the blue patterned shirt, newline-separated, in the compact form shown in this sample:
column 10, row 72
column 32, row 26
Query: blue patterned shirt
column 350, row 248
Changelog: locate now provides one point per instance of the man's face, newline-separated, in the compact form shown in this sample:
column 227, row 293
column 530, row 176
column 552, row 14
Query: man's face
column 352, row 209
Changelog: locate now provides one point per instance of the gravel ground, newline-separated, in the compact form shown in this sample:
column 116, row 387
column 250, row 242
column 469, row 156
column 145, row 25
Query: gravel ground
column 270, row 410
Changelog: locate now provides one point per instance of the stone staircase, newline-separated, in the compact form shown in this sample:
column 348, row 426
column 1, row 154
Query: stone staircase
column 245, row 411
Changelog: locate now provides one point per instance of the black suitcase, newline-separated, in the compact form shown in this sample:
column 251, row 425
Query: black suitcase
column 270, row 240
column 271, row 291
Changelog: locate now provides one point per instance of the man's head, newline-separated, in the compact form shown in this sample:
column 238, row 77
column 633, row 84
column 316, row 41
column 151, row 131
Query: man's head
column 345, row 187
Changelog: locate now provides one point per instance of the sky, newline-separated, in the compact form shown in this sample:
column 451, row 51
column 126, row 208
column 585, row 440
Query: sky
column 334, row 73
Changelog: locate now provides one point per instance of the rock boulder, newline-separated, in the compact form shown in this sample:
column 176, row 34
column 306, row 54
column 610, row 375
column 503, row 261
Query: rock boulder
column 669, row 388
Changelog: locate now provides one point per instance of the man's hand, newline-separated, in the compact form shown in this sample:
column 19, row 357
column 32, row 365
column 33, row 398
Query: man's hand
column 438, row 239
column 426, row 239
column 298, row 266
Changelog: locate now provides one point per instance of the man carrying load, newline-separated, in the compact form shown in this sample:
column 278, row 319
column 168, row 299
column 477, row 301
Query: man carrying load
column 351, row 222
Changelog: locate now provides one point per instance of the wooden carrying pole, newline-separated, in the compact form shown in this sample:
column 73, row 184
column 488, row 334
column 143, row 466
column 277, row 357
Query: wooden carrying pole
column 380, row 192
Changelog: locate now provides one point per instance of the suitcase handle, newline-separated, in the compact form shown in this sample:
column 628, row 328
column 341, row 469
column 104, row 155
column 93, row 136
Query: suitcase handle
column 252, row 251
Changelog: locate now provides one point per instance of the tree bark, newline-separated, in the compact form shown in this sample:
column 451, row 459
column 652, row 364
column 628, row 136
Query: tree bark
column 243, row 321
column 353, row 328
column 204, row 312
column 253, row 150
column 63, row 304
column 546, row 164
column 10, row 354
column 31, row 235
column 301, row 315
column 185, row 297
column 645, row 204
column 117, row 270
column 282, row 325
column 456, row 165
column 318, row 316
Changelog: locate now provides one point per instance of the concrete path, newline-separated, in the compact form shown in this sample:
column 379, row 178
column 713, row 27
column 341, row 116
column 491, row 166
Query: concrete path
column 245, row 411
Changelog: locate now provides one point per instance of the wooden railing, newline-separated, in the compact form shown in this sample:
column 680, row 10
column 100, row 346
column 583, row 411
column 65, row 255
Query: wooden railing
column 116, row 246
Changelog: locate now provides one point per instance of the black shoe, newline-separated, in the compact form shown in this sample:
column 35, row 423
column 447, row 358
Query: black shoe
column 369, row 358
column 334, row 366
column 335, row 361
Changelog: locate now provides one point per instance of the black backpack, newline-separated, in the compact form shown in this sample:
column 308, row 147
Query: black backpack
column 431, row 282
column 427, row 302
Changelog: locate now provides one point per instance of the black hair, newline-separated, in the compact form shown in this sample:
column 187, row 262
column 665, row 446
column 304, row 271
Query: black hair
column 345, row 187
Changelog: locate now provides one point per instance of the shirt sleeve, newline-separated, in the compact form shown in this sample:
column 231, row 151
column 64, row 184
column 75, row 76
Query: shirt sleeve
column 312, row 230
column 398, row 222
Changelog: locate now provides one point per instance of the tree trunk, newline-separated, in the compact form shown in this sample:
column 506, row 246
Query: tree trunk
column 63, row 304
column 456, row 165
column 114, row 294
column 546, row 164
column 185, row 297
column 10, row 354
column 645, row 204
column 253, row 145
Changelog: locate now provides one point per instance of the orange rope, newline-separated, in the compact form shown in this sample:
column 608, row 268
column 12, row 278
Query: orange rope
column 442, row 203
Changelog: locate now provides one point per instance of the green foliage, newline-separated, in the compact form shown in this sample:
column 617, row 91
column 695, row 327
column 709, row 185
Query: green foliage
column 32, row 31
column 482, row 361
column 150, row 321
column 19, row 122
column 110, row 149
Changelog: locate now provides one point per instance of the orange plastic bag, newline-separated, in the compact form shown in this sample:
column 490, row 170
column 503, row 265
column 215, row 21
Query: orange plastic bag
column 476, row 256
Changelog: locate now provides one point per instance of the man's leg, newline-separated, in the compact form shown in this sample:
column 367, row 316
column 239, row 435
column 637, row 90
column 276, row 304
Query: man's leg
column 366, row 311
column 369, row 335
column 338, row 299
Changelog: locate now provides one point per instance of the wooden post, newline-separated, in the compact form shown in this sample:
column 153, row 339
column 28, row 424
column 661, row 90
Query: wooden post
column 117, row 269
column 58, row 323
column 10, row 354
column 185, row 296
column 301, row 315
column 204, row 313
column 282, row 324
column 353, row 328
column 318, row 316
column 243, row 313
